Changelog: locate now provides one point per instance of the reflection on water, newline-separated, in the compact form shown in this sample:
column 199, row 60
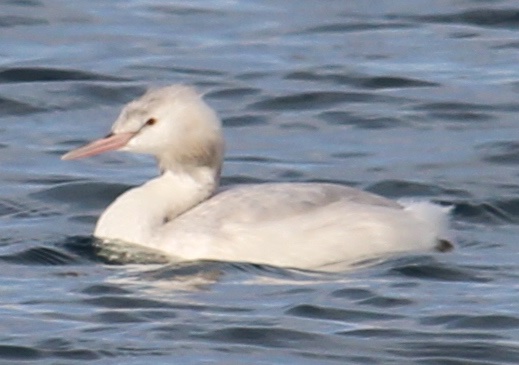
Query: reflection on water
column 400, row 99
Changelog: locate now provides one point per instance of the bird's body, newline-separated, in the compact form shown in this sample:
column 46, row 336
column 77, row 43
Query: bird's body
column 303, row 225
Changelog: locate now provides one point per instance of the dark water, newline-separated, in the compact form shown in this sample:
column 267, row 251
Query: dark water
column 403, row 98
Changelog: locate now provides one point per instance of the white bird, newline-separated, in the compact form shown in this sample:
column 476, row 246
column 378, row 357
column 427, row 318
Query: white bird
column 298, row 225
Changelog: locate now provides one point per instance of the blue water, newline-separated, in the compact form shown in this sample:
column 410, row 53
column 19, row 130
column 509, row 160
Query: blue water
column 408, row 98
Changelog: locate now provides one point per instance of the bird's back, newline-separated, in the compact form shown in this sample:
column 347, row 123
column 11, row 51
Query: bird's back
column 297, row 225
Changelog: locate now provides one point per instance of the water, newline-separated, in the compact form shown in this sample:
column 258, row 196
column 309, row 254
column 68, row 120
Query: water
column 403, row 98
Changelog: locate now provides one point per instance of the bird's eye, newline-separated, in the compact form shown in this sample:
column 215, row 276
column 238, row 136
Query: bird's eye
column 151, row 121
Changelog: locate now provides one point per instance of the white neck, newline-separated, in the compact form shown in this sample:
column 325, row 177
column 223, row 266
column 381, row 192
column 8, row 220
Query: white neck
column 138, row 213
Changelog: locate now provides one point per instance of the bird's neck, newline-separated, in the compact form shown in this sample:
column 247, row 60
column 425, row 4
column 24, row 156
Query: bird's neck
column 138, row 213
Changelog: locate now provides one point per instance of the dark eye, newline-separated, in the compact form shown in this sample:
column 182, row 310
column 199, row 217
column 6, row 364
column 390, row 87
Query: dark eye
column 151, row 121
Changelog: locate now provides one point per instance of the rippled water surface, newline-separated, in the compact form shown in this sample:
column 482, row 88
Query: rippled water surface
column 403, row 98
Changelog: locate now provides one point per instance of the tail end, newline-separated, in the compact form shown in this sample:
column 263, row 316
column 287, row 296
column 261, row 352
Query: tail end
column 442, row 245
column 436, row 219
